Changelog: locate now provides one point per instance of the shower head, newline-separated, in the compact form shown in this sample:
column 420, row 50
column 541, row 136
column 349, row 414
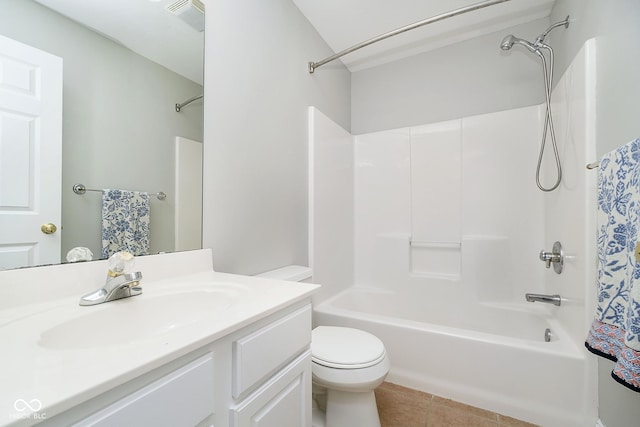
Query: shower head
column 510, row 40
column 507, row 42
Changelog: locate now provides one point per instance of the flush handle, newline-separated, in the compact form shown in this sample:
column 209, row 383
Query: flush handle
column 555, row 257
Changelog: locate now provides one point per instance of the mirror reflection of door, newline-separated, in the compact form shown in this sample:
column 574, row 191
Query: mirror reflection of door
column 30, row 155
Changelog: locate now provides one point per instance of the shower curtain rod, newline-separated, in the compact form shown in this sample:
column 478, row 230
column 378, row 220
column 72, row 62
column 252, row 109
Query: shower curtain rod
column 187, row 102
column 470, row 8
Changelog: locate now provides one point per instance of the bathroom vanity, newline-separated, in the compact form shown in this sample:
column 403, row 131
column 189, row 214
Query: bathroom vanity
column 197, row 348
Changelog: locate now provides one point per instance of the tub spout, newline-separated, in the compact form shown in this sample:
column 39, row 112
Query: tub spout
column 549, row 299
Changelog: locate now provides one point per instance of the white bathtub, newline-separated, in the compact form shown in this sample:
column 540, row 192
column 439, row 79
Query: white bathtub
column 489, row 356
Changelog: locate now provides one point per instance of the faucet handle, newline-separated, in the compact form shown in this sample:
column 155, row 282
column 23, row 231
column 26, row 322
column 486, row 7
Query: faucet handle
column 546, row 257
column 555, row 257
column 120, row 263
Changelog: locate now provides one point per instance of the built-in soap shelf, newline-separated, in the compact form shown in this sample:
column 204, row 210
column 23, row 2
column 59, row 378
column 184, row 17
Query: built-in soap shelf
column 444, row 245
column 435, row 259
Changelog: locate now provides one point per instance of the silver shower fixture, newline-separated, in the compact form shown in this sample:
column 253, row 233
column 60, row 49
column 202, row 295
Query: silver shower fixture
column 190, row 11
column 510, row 40
column 507, row 44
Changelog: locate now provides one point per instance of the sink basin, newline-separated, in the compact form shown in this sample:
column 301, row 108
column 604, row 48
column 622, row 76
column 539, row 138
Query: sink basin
column 137, row 318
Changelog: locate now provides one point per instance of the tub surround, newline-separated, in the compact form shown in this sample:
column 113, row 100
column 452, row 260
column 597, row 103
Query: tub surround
column 58, row 354
column 452, row 281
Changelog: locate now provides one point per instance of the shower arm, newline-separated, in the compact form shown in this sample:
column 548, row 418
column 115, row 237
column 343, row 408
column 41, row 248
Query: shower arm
column 541, row 37
column 460, row 11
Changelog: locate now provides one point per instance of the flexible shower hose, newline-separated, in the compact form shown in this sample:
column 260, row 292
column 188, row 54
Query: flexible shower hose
column 548, row 121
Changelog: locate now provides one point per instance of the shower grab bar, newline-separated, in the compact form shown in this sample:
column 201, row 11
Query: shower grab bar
column 187, row 102
column 460, row 11
column 81, row 189
column 593, row 165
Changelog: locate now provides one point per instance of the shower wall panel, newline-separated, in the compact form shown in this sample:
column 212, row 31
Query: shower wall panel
column 500, row 199
column 438, row 185
column 436, row 175
column 570, row 210
column 331, row 198
column 382, row 202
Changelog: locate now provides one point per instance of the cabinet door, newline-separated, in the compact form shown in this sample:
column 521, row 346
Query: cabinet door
column 182, row 398
column 284, row 401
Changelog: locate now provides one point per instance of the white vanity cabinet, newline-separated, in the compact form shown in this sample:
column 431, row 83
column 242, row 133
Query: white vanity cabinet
column 259, row 375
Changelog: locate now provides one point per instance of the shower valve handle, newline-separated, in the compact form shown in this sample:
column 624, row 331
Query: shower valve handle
column 549, row 257
column 555, row 257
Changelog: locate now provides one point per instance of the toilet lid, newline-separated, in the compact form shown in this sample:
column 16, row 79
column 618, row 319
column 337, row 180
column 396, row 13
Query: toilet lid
column 346, row 348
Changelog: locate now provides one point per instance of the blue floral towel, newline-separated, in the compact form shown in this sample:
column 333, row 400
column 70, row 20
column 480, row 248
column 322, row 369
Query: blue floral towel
column 125, row 222
column 615, row 331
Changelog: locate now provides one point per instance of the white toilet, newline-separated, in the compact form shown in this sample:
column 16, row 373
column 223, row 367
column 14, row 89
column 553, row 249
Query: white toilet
column 348, row 364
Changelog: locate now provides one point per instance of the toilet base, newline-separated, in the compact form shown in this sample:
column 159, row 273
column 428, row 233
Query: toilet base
column 348, row 409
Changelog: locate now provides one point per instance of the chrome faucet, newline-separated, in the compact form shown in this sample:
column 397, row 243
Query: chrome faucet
column 548, row 299
column 118, row 284
column 122, row 286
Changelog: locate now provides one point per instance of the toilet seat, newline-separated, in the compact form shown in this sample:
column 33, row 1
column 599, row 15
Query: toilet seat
column 345, row 348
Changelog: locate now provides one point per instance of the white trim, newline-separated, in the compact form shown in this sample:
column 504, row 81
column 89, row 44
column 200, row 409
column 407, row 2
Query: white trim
column 599, row 423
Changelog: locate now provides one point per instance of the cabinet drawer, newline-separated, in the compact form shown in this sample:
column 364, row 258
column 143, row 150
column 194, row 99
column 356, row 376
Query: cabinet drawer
column 182, row 398
column 259, row 354
column 284, row 401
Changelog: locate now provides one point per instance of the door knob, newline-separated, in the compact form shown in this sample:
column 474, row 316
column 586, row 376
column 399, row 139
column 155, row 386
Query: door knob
column 48, row 228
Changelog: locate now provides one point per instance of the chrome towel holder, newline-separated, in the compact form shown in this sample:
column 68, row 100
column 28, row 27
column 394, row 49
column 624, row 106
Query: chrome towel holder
column 81, row 189
column 593, row 165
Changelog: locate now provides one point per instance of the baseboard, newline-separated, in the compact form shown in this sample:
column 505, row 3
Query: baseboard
column 599, row 423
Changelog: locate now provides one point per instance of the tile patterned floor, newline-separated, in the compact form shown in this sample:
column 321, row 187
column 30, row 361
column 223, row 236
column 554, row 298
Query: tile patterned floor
column 403, row 407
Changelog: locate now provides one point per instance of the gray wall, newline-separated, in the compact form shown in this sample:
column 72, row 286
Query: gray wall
column 468, row 78
column 615, row 24
column 257, row 91
column 119, row 121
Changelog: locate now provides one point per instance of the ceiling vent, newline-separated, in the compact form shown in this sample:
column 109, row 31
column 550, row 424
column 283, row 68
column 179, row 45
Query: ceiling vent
column 190, row 11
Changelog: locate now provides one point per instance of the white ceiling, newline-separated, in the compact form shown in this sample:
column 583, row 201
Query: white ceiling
column 143, row 26
column 344, row 23
column 146, row 28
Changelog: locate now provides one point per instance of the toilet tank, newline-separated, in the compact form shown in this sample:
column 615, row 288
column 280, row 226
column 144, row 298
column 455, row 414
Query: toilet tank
column 292, row 273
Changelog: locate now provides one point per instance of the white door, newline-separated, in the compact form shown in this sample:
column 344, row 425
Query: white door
column 30, row 154
column 188, row 195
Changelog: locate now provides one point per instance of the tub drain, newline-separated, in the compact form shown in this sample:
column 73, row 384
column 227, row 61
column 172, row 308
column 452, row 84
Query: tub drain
column 547, row 335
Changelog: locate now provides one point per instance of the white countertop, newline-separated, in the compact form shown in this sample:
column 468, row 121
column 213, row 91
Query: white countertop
column 54, row 357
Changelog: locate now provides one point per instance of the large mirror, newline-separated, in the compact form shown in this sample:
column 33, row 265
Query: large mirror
column 125, row 66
